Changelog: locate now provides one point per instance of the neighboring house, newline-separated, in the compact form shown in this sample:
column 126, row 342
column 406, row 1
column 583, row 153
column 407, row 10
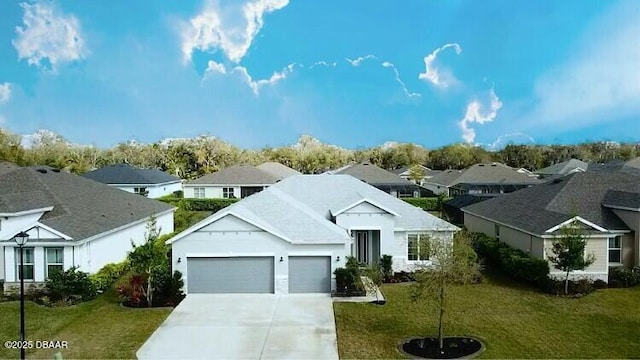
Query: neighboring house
column 626, row 166
column 527, row 172
column 152, row 183
column 489, row 178
column 605, row 204
column 277, row 170
column 238, row 181
column 564, row 168
column 405, row 173
column 452, row 208
column 291, row 237
column 7, row 167
column 71, row 221
column 384, row 180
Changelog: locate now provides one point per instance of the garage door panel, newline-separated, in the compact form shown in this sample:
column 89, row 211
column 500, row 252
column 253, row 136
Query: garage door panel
column 309, row 274
column 230, row 275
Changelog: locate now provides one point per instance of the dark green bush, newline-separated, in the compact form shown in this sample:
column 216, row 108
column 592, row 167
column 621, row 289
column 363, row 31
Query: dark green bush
column 348, row 280
column 212, row 205
column 168, row 289
column 513, row 262
column 178, row 194
column 386, row 265
column 108, row 275
column 576, row 287
column 70, row 285
column 426, row 204
column 622, row 277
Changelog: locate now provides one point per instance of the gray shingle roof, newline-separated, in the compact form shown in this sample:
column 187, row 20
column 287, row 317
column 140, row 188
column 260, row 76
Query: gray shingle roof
column 564, row 167
column 542, row 207
column 81, row 207
column 127, row 174
column 277, row 170
column 372, row 174
column 624, row 199
column 6, row 167
column 427, row 172
column 237, row 175
column 490, row 173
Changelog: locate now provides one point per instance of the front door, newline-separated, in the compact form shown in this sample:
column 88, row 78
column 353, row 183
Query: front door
column 362, row 247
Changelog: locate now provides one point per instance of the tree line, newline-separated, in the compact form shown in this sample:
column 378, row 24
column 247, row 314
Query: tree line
column 191, row 158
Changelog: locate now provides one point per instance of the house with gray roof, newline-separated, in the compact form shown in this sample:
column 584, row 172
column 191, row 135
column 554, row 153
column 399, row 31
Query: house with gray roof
column 384, row 180
column 563, row 168
column 606, row 205
column 277, row 169
column 486, row 178
column 152, row 183
column 233, row 182
column 405, row 172
column 292, row 236
column 71, row 221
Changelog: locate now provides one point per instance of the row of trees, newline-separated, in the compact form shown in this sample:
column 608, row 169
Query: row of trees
column 190, row 158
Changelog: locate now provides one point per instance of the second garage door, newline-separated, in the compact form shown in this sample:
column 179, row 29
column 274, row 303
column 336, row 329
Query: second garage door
column 309, row 274
column 230, row 275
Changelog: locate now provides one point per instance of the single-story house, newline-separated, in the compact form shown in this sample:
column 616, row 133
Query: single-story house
column 152, row 183
column 292, row 236
column 71, row 221
column 384, row 180
column 488, row 178
column 405, row 173
column 277, row 170
column 238, row 181
column 563, row 168
column 605, row 204
column 452, row 208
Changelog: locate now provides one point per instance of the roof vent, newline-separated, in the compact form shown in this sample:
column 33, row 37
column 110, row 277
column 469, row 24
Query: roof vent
column 42, row 171
column 55, row 170
column 480, row 164
column 494, row 165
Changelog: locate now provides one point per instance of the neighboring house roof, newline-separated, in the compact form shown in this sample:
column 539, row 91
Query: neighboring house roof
column 82, row 208
column 461, row 201
column 372, row 174
column 236, row 175
column 6, row 167
column 406, row 171
column 540, row 208
column 564, row 168
column 629, row 166
column 277, row 170
column 298, row 209
column 123, row 174
column 485, row 174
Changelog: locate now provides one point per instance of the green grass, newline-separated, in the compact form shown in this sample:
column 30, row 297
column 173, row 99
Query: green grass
column 96, row 329
column 513, row 322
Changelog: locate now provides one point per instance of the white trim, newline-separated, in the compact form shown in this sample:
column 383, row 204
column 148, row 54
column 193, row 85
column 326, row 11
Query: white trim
column 370, row 202
column 145, row 185
column 229, row 255
column 621, row 208
column 109, row 232
column 578, row 218
column 50, row 229
column 223, row 185
column 27, row 212
column 313, row 253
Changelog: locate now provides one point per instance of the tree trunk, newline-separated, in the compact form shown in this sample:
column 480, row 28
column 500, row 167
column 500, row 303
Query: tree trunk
column 566, row 284
column 149, row 291
column 440, row 337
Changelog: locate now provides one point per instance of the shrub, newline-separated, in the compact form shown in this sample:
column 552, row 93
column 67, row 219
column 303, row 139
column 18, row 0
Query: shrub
column 108, row 275
column 514, row 262
column 178, row 194
column 622, row 277
column 600, row 284
column 576, row 287
column 386, row 265
column 426, row 204
column 205, row 204
column 403, row 276
column 70, row 286
column 348, row 280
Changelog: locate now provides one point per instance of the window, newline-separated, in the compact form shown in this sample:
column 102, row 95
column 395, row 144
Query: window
column 497, row 231
column 227, row 193
column 418, row 247
column 141, row 191
column 28, row 263
column 615, row 250
column 55, row 260
column 198, row 193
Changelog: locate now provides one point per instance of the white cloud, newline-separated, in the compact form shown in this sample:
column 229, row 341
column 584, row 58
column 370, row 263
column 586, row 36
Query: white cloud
column 357, row 61
column 214, row 67
column 48, row 35
column 598, row 83
column 476, row 113
column 402, row 84
column 255, row 85
column 432, row 74
column 323, row 63
column 222, row 28
column 503, row 140
column 5, row 92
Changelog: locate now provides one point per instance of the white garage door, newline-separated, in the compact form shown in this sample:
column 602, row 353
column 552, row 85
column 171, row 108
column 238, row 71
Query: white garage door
column 230, row 275
column 309, row 274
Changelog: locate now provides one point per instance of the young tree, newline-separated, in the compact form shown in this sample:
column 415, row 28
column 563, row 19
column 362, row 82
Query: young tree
column 416, row 173
column 453, row 263
column 374, row 277
column 568, row 252
column 149, row 258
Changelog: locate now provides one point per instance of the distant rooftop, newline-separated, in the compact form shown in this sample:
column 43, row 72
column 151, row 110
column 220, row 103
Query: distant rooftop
column 127, row 174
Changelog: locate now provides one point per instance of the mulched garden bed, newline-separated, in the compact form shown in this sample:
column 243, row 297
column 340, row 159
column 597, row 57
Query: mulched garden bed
column 454, row 348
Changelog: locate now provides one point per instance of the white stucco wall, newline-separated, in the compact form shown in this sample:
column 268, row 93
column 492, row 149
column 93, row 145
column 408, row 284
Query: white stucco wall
column 400, row 248
column 436, row 189
column 210, row 192
column 155, row 191
column 230, row 236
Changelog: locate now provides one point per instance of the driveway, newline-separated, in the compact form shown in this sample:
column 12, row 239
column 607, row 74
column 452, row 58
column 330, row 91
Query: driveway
column 246, row 326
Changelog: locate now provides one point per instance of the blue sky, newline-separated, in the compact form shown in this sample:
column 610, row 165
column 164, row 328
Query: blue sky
column 352, row 73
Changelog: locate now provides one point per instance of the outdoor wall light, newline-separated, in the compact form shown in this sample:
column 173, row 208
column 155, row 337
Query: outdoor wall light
column 281, row 259
column 337, row 258
column 179, row 260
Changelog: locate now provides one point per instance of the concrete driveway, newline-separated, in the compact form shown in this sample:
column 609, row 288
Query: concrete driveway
column 246, row 326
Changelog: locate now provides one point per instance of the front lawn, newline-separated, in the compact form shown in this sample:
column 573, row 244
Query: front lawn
column 96, row 329
column 513, row 322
